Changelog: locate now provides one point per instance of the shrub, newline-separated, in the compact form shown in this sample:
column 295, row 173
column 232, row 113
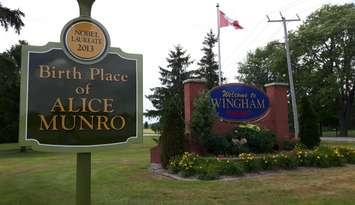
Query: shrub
column 304, row 158
column 250, row 162
column 211, row 168
column 289, row 144
column 309, row 132
column 230, row 168
column 172, row 137
column 279, row 161
column 185, row 164
column 202, row 120
column 349, row 154
column 258, row 140
column 287, row 161
column 217, row 145
column 327, row 157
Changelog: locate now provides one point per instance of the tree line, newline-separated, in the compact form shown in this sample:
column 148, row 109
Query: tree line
column 323, row 62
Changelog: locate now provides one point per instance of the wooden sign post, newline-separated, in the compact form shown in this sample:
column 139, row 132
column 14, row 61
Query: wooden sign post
column 80, row 95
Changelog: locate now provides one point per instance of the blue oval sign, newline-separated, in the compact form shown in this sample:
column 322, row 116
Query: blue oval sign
column 239, row 102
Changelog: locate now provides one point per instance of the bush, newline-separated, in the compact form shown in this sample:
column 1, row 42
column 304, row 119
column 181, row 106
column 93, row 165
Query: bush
column 279, row 161
column 172, row 137
column 309, row 132
column 289, row 144
column 250, row 162
column 327, row 157
column 211, row 168
column 349, row 154
column 185, row 164
column 258, row 140
column 216, row 145
column 230, row 168
column 202, row 120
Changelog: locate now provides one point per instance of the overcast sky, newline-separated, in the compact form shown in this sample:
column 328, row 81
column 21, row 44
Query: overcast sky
column 152, row 28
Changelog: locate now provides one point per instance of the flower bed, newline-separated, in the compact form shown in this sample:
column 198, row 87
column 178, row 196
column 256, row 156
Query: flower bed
column 212, row 168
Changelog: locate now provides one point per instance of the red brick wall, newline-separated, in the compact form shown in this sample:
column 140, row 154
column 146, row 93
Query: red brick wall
column 276, row 118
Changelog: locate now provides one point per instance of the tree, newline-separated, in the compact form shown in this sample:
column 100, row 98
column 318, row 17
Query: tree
column 264, row 65
column 146, row 125
column 172, row 139
column 203, row 118
column 10, row 62
column 168, row 101
column 325, row 50
column 11, row 18
column 172, row 83
column 208, row 66
column 155, row 127
column 309, row 134
column 323, row 61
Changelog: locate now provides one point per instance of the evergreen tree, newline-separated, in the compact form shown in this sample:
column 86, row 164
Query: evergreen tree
column 208, row 66
column 146, row 125
column 309, row 132
column 10, row 62
column 168, row 101
column 172, row 137
column 11, row 18
column 203, row 118
column 172, row 83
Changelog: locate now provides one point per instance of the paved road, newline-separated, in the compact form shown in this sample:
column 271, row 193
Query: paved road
column 339, row 139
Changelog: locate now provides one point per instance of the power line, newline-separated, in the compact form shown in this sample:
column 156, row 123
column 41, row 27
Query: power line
column 290, row 77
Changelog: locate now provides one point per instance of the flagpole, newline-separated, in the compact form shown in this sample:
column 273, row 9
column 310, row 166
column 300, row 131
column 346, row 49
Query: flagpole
column 219, row 47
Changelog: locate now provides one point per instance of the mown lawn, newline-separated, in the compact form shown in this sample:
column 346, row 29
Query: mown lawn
column 351, row 133
column 121, row 177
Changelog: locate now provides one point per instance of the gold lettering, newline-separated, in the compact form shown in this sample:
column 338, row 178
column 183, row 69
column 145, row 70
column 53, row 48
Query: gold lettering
column 64, row 120
column 100, row 122
column 124, row 77
column 58, row 104
column 90, row 104
column 52, row 125
column 89, row 124
column 94, row 72
column 108, row 105
column 108, row 76
column 44, row 71
column 123, row 122
column 76, row 74
column 70, row 108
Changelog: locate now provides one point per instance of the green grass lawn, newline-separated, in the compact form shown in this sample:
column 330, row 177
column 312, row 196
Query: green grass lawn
column 121, row 177
column 351, row 133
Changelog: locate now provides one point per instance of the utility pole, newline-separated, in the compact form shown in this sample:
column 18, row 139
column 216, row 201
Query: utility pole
column 290, row 77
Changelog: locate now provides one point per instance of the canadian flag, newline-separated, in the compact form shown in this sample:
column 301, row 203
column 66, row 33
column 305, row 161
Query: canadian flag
column 226, row 21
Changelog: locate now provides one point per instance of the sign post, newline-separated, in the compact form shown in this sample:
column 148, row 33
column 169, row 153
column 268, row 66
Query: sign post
column 83, row 178
column 80, row 95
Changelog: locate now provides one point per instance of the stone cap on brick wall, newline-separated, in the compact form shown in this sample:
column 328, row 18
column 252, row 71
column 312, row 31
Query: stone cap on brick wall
column 197, row 80
column 276, row 83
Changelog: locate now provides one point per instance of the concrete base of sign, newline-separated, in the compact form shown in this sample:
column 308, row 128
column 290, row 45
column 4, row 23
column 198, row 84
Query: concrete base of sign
column 275, row 120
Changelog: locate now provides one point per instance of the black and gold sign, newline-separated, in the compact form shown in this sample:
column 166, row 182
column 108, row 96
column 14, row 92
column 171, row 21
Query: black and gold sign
column 75, row 104
column 69, row 103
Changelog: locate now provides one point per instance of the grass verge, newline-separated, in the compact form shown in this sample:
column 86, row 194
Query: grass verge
column 121, row 177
